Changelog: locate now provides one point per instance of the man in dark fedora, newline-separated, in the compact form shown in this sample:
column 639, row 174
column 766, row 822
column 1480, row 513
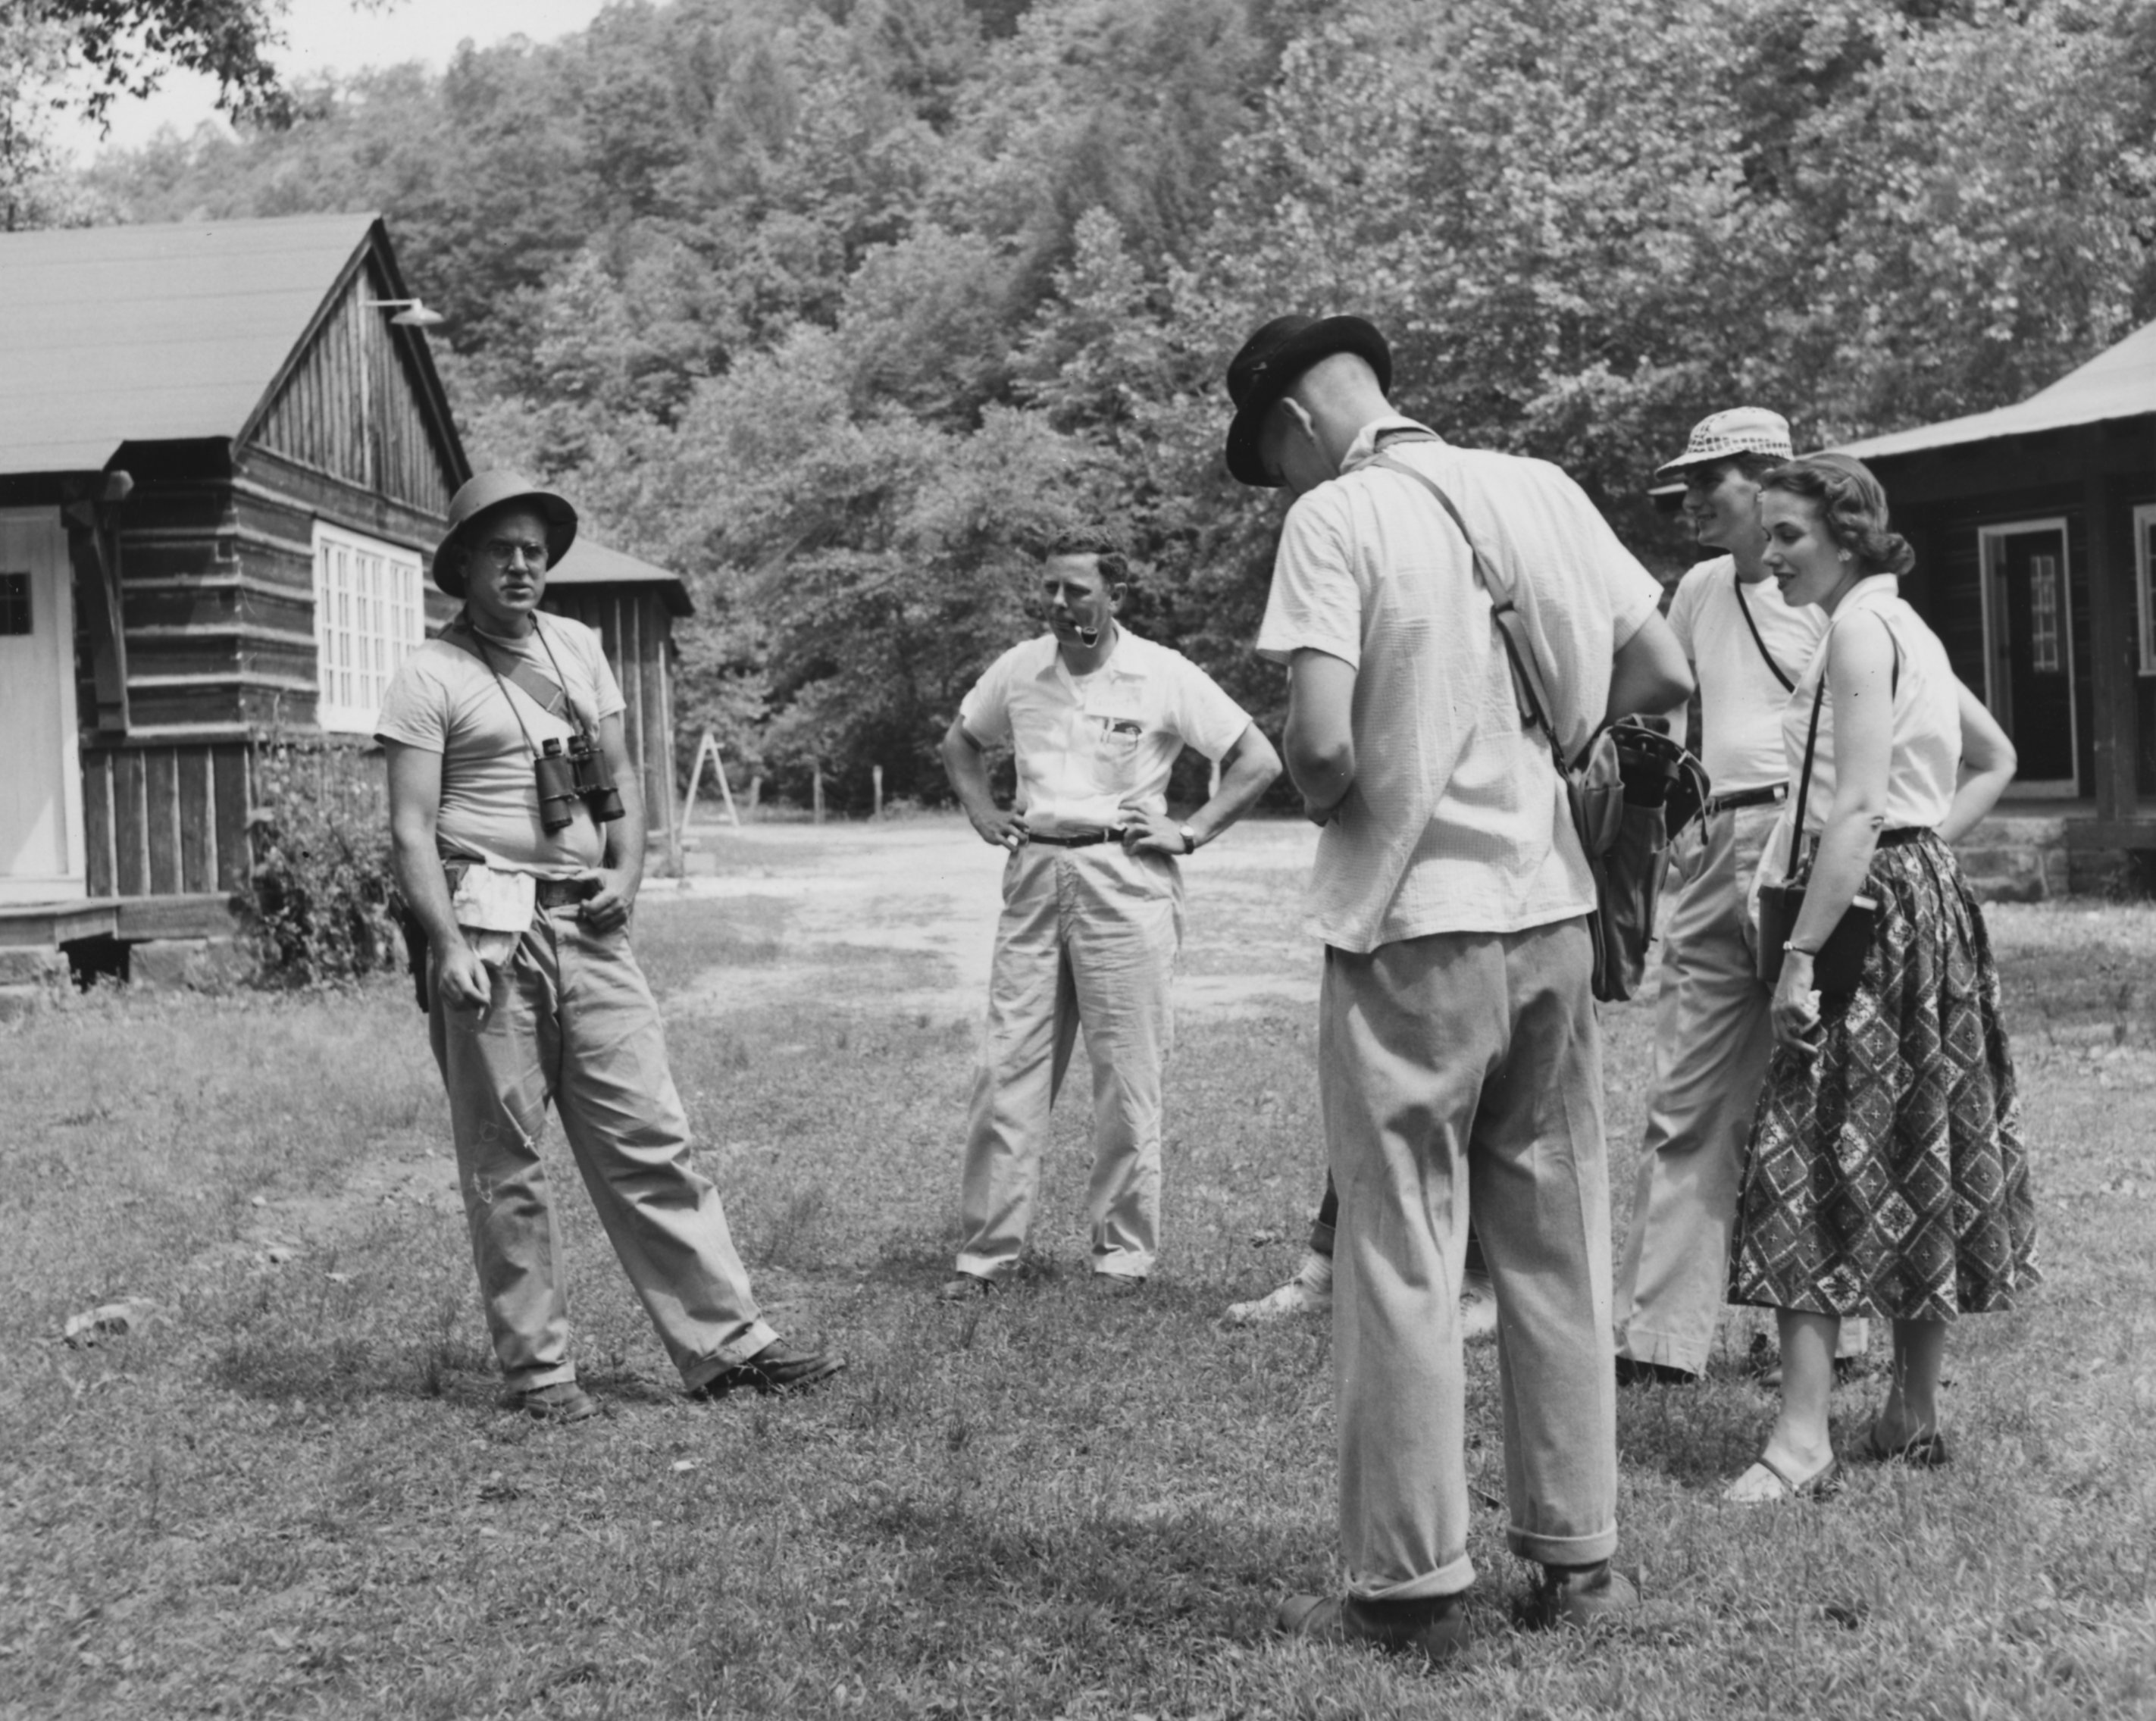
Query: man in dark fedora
column 1460, row 1065
column 518, row 829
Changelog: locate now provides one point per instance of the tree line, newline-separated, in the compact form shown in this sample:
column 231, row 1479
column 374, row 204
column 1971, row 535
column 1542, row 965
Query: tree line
column 841, row 308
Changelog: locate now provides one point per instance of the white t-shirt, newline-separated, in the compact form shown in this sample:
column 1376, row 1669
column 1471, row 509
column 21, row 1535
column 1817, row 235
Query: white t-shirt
column 442, row 700
column 1740, row 702
column 1457, row 821
column 1089, row 747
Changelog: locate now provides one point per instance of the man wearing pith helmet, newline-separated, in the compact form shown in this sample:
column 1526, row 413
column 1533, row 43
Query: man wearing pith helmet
column 1459, row 1057
column 518, row 829
column 1711, row 1032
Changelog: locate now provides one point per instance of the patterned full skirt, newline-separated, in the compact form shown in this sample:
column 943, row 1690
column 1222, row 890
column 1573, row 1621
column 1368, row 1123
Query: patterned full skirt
column 1886, row 1175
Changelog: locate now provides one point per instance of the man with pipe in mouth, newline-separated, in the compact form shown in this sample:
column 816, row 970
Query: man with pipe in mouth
column 1092, row 914
column 518, row 829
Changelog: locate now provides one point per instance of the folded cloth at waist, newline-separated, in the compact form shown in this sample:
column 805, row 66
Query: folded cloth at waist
column 551, row 892
column 1072, row 839
column 1771, row 795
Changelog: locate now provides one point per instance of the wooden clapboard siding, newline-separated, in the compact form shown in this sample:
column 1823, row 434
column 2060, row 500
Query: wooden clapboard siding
column 166, row 820
column 352, row 408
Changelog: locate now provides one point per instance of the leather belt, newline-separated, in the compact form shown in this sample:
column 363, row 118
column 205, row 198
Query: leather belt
column 553, row 892
column 1085, row 840
column 1772, row 795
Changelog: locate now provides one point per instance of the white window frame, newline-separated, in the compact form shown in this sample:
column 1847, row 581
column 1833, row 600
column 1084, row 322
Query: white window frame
column 1998, row 695
column 2144, row 582
column 370, row 610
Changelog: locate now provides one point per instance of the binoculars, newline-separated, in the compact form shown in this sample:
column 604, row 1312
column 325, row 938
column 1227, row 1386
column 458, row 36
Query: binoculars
column 580, row 774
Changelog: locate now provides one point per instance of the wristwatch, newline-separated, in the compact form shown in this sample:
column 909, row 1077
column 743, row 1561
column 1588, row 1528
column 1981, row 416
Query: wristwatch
column 1189, row 838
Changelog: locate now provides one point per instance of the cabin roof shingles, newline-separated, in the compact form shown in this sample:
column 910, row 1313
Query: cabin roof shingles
column 152, row 334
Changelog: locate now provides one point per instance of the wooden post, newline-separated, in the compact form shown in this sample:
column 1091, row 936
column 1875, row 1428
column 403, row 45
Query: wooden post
column 2114, row 650
column 816, row 790
column 876, row 780
column 756, row 791
column 708, row 749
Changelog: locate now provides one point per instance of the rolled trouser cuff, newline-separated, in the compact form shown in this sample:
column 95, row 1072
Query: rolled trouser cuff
column 1452, row 1578
column 1561, row 1550
column 531, row 1379
column 1321, row 1239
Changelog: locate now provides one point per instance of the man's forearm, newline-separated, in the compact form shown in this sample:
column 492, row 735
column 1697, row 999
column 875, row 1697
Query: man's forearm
column 1249, row 775
column 625, row 836
column 425, row 889
column 968, row 770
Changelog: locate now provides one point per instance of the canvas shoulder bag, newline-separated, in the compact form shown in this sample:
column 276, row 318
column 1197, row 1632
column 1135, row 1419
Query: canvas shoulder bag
column 1617, row 788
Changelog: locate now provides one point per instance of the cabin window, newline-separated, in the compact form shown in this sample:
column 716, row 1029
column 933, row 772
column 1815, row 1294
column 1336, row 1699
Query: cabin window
column 369, row 611
column 14, row 603
column 2144, row 572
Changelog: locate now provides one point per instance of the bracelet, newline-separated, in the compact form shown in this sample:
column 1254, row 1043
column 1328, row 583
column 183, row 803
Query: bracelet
column 1796, row 949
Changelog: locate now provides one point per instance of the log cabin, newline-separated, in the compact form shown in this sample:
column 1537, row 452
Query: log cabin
column 2034, row 530
column 224, row 464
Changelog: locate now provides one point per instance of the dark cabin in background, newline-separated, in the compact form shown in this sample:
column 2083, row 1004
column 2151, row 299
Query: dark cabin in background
column 2034, row 529
column 632, row 605
column 222, row 467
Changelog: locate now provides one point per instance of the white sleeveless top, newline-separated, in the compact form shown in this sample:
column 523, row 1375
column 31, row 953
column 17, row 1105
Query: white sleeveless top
column 1926, row 758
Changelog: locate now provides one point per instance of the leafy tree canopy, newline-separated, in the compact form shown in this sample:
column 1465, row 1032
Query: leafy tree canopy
column 840, row 308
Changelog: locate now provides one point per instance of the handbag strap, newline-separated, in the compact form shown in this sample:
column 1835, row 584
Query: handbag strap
column 1811, row 741
column 1787, row 686
column 1533, row 708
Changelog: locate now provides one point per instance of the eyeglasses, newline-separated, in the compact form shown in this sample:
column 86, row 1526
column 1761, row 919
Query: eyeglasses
column 503, row 553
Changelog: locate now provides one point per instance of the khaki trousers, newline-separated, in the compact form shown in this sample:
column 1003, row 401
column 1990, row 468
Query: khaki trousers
column 1712, row 1036
column 573, row 1020
column 1087, row 936
column 1463, row 1071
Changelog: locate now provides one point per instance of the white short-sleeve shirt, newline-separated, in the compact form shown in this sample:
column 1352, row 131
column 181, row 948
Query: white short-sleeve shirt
column 1457, row 821
column 1091, row 747
column 1741, row 700
column 443, row 700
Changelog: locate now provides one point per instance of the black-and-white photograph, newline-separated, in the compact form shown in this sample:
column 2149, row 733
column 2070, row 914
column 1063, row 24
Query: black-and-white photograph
column 1078, row 860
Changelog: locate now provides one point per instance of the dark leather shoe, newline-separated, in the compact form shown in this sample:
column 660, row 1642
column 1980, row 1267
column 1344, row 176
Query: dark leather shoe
column 1582, row 1594
column 774, row 1369
column 564, row 1401
column 966, row 1288
column 1434, row 1628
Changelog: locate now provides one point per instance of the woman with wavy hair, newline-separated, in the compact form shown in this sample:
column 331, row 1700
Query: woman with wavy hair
column 1886, row 1175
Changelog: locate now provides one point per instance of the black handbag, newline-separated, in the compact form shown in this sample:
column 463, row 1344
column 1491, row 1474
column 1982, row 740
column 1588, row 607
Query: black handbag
column 1622, row 789
column 1838, row 966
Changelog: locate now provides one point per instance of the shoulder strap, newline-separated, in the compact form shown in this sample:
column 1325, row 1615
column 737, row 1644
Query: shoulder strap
column 1787, row 686
column 1811, row 739
column 534, row 683
column 1524, row 682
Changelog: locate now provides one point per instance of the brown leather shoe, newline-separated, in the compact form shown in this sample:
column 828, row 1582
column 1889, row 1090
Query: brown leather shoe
column 774, row 1369
column 1434, row 1628
column 564, row 1401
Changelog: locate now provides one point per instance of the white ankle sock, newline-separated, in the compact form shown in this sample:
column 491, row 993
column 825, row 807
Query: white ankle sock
column 1316, row 1272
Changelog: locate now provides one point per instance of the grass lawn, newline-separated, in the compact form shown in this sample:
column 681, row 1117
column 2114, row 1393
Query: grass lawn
column 291, row 1493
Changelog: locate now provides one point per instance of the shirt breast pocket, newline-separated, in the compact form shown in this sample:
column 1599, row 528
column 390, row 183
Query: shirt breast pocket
column 1116, row 740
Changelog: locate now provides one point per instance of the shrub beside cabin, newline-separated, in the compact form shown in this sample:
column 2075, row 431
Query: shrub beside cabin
column 224, row 467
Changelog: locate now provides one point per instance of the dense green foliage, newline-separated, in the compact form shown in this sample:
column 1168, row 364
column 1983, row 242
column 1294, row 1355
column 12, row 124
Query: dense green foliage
column 839, row 308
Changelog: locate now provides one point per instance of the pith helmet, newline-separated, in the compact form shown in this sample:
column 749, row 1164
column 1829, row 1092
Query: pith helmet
column 482, row 494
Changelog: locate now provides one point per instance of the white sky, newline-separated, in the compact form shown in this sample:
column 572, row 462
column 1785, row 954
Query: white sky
column 329, row 35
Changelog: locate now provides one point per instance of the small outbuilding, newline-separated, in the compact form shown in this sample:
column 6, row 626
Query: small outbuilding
column 633, row 604
column 2034, row 530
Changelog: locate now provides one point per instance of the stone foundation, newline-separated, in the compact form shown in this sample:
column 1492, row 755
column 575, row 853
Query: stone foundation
column 2017, row 857
column 189, row 964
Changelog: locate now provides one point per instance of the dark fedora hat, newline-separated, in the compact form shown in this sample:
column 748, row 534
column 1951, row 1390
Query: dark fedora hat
column 1270, row 364
column 485, row 493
